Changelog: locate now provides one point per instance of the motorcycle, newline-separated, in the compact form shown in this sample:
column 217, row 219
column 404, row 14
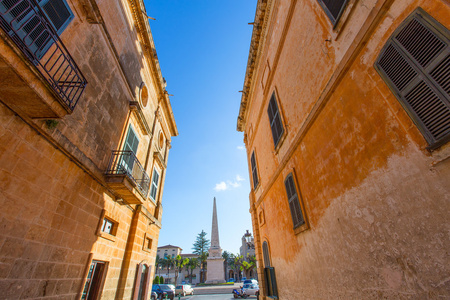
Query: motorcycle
column 239, row 294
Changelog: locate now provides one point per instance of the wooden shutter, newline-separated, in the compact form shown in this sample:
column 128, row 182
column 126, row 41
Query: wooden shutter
column 275, row 120
column 415, row 63
column 58, row 13
column 294, row 203
column 154, row 188
column 254, row 170
column 333, row 9
column 23, row 18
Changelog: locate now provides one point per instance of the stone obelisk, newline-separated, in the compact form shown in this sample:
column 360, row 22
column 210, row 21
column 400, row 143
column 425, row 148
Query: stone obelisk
column 215, row 273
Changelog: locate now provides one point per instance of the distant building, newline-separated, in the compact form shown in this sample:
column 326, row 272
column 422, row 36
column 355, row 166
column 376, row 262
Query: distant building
column 168, row 250
column 346, row 118
column 169, row 274
column 85, row 131
column 248, row 247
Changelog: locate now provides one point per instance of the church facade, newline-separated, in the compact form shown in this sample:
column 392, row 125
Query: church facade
column 346, row 120
column 85, row 131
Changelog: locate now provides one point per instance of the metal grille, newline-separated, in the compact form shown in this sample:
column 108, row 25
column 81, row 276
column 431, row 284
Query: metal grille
column 26, row 24
column 126, row 163
column 415, row 63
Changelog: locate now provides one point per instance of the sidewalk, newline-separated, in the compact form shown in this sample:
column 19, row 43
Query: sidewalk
column 216, row 289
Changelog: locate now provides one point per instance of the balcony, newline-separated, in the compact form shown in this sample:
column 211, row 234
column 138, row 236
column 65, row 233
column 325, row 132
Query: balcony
column 38, row 75
column 127, row 177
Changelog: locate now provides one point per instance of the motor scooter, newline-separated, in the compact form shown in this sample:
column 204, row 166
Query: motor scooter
column 239, row 294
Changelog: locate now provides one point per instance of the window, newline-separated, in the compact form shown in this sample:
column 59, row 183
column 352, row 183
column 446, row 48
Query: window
column 294, row 203
column 275, row 120
column 254, row 170
column 154, row 188
column 333, row 9
column 108, row 226
column 148, row 243
column 415, row 64
column 130, row 149
column 269, row 272
column 94, row 280
column 24, row 19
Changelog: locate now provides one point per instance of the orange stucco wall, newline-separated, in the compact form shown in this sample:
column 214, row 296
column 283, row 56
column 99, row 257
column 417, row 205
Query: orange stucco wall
column 374, row 197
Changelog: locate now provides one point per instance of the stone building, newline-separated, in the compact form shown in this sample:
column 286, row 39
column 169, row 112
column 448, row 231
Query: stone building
column 169, row 273
column 247, row 245
column 85, row 131
column 346, row 121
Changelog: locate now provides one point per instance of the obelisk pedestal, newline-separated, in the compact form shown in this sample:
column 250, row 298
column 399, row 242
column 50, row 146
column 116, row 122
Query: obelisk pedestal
column 215, row 272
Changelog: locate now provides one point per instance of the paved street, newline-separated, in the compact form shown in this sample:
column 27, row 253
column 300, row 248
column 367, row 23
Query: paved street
column 212, row 297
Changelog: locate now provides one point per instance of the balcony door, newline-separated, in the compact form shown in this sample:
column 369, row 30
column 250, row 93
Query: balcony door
column 23, row 20
column 130, row 149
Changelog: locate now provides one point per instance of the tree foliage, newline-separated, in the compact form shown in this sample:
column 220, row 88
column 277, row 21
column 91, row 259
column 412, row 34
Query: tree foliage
column 201, row 244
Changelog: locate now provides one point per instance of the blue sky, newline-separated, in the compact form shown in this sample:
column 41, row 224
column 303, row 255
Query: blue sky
column 203, row 48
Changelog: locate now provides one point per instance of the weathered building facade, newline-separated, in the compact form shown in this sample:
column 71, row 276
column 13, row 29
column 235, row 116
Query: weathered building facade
column 346, row 121
column 85, row 131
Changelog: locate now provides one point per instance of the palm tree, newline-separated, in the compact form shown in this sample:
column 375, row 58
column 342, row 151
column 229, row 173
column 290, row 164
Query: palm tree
column 168, row 263
column 191, row 266
column 179, row 264
column 238, row 265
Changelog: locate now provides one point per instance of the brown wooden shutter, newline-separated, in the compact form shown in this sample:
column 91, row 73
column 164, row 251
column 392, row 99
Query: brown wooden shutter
column 254, row 170
column 415, row 63
column 294, row 203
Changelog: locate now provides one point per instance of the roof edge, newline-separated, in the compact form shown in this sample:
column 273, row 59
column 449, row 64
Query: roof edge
column 262, row 13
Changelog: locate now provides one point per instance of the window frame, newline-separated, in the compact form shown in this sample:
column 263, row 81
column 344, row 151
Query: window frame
column 333, row 20
column 153, row 185
column 276, row 117
column 298, row 228
column 422, row 75
column 254, row 168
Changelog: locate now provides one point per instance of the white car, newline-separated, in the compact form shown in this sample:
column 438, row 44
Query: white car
column 250, row 288
column 184, row 290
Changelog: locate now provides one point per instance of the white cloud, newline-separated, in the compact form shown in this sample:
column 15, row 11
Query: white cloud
column 240, row 147
column 221, row 186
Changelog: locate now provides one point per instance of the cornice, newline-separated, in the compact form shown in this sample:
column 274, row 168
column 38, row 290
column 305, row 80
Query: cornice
column 148, row 46
column 261, row 23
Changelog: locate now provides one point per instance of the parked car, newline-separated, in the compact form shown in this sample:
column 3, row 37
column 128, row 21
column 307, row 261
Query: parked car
column 162, row 290
column 231, row 280
column 250, row 288
column 251, row 281
column 172, row 287
column 184, row 289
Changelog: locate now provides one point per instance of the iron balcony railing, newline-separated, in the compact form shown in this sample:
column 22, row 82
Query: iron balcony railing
column 28, row 26
column 126, row 163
